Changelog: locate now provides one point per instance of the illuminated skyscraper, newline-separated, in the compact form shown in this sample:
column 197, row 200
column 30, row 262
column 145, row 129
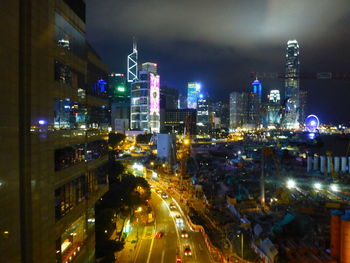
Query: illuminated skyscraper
column 119, row 98
column 203, row 113
column 149, row 66
column 257, row 88
column 273, row 107
column 145, row 102
column 238, row 109
column 292, row 91
column 132, row 64
column 193, row 90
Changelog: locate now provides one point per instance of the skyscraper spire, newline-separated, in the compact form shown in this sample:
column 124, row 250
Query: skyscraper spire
column 134, row 44
column 132, row 63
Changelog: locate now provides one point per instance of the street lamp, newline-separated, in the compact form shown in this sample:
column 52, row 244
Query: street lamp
column 334, row 187
column 186, row 141
column 241, row 234
column 291, row 184
column 317, row 186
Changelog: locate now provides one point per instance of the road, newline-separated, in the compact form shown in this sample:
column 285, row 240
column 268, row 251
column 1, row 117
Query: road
column 165, row 249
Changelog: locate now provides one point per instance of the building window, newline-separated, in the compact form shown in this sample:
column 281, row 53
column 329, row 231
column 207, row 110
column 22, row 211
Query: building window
column 69, row 156
column 72, row 240
column 67, row 36
column 66, row 75
column 69, row 115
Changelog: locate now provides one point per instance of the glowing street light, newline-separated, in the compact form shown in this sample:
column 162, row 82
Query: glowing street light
column 334, row 187
column 291, row 184
column 317, row 186
column 186, row 141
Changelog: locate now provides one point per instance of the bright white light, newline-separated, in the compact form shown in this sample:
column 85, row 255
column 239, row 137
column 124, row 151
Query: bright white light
column 154, row 174
column 291, row 184
column 317, row 186
column 138, row 167
column 334, row 187
column 42, row 122
column 313, row 123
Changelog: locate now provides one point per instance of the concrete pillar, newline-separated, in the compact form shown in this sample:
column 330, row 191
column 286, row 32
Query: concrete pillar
column 336, row 163
column 309, row 163
column 316, row 163
column 343, row 164
column 322, row 164
column 329, row 160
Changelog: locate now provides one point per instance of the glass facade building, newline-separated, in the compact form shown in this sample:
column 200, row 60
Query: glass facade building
column 193, row 90
column 292, row 89
column 145, row 102
column 203, row 114
column 55, row 120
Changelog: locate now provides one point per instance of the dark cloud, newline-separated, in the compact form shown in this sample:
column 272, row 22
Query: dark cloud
column 219, row 42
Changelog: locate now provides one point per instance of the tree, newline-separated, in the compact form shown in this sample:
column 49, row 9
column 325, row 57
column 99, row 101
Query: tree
column 143, row 138
column 114, row 139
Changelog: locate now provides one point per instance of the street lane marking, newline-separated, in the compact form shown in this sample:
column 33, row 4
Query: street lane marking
column 163, row 254
column 151, row 247
column 148, row 232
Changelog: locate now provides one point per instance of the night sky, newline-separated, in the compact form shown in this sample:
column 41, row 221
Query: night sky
column 220, row 42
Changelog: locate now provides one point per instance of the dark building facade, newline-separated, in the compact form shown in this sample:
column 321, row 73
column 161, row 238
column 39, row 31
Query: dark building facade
column 175, row 121
column 120, row 102
column 55, row 117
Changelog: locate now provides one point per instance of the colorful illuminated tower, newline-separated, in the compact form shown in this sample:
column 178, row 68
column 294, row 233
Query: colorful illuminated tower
column 257, row 88
column 145, row 101
column 193, row 90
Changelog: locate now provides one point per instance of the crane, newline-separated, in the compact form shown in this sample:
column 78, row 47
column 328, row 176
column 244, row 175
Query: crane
column 311, row 75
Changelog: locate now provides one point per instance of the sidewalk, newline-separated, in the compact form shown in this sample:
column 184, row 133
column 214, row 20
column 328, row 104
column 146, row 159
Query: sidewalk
column 132, row 241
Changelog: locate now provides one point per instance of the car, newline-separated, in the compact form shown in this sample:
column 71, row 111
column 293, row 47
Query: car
column 159, row 234
column 159, row 191
column 164, row 195
column 178, row 259
column 179, row 221
column 172, row 206
column 184, row 233
column 187, row 251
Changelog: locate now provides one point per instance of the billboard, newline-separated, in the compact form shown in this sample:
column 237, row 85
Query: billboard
column 154, row 94
column 154, row 102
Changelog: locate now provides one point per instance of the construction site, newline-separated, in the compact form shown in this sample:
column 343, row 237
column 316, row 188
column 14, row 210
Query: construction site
column 275, row 197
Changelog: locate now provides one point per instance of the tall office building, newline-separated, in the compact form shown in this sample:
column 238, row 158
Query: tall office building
column 54, row 117
column 176, row 120
column 145, row 102
column 292, row 89
column 150, row 67
column 273, row 108
column 182, row 101
column 257, row 89
column 193, row 91
column 303, row 105
column 238, row 109
column 168, row 101
column 253, row 111
column 119, row 97
column 132, row 63
column 203, row 114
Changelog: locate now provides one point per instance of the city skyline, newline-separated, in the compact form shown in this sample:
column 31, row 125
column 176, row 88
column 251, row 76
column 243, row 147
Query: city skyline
column 221, row 62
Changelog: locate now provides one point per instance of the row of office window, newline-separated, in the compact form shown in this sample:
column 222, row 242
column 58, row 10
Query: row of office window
column 71, row 194
column 72, row 155
column 72, row 115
